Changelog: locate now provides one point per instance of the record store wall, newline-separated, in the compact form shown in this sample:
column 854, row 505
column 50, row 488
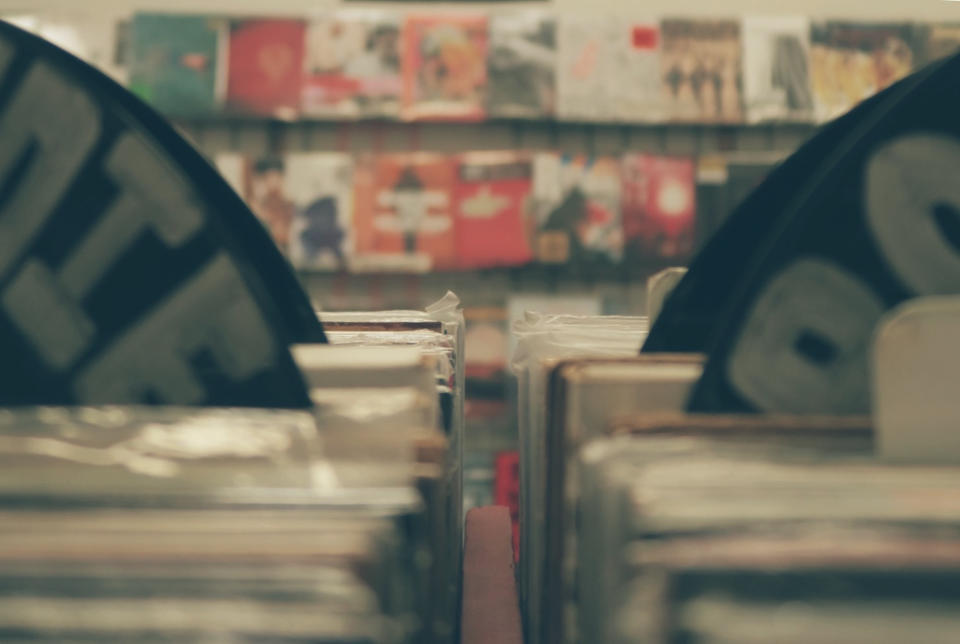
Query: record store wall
column 754, row 146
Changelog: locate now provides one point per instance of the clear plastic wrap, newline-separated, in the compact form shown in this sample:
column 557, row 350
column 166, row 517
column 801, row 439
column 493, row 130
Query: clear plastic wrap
column 438, row 332
column 584, row 396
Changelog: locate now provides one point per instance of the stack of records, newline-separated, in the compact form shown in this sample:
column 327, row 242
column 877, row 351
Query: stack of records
column 418, row 360
column 748, row 529
column 144, row 525
column 584, row 395
column 541, row 341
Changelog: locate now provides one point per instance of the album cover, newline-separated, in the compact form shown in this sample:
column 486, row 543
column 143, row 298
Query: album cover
column 176, row 63
column 701, row 70
column 659, row 206
column 492, row 206
column 634, row 78
column 261, row 183
column 577, row 206
column 522, row 65
column 403, row 210
column 584, row 50
column 445, row 66
column 776, row 69
column 853, row 61
column 320, row 184
column 353, row 65
column 265, row 67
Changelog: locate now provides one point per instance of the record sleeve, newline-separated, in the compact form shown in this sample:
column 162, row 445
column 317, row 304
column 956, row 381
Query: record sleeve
column 577, row 204
column 584, row 50
column 659, row 206
column 492, row 206
column 701, row 70
column 522, row 65
column 853, row 61
column 584, row 395
column 776, row 69
column 352, row 66
column 445, row 66
column 540, row 341
column 634, row 77
column 878, row 587
column 650, row 482
column 320, row 185
column 176, row 62
column 404, row 210
column 265, row 67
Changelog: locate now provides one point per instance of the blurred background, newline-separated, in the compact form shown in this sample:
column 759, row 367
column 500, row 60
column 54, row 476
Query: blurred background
column 545, row 156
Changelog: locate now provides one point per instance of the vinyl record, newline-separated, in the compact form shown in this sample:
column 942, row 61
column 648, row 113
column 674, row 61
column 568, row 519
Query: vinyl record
column 691, row 313
column 129, row 270
column 877, row 222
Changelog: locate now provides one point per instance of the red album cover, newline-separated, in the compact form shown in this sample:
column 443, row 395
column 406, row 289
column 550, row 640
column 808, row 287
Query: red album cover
column 266, row 67
column 492, row 207
column 403, row 210
column 445, row 66
column 659, row 206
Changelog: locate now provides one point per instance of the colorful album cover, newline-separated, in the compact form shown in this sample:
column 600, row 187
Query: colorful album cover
column 445, row 66
column 701, row 70
column 852, row 61
column 939, row 41
column 659, row 206
column 320, row 184
column 577, row 206
column 492, row 206
column 176, row 63
column 521, row 65
column 634, row 80
column 776, row 69
column 265, row 67
column 584, row 51
column 403, row 211
column 353, row 65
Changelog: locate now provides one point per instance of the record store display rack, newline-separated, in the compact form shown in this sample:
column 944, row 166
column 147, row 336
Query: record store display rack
column 191, row 452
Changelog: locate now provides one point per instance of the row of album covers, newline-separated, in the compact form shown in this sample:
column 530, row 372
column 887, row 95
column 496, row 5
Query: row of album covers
column 422, row 211
column 532, row 64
